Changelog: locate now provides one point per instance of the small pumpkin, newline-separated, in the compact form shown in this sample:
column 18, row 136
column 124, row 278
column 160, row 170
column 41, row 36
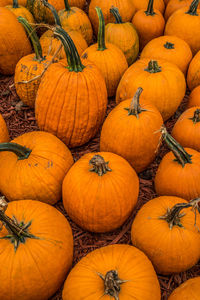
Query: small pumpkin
column 194, row 97
column 136, row 127
column 174, row 227
column 113, row 272
column 162, row 82
column 38, row 240
column 179, row 171
column 4, row 135
column 33, row 167
column 77, row 3
column 142, row 4
column 105, row 195
column 171, row 49
column 14, row 43
column 190, row 289
column 104, row 56
column 123, row 35
column 193, row 75
column 149, row 24
column 21, row 11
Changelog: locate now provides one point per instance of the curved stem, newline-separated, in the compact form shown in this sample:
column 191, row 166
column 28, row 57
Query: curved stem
column 34, row 38
column 116, row 14
column 169, row 45
column 101, row 32
column 135, row 108
column 196, row 116
column 67, row 7
column 150, row 11
column 21, row 151
column 99, row 165
column 54, row 12
column 15, row 4
column 193, row 8
column 153, row 67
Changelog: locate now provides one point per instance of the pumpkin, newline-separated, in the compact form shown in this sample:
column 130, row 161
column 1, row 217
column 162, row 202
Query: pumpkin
column 77, row 3
column 30, row 67
column 185, row 23
column 136, row 127
column 9, row 2
column 194, row 98
column 14, row 43
column 76, row 19
column 193, row 75
column 33, row 167
column 142, row 4
column 163, row 84
column 105, row 56
column 80, row 94
column 171, row 49
column 113, row 272
column 125, row 7
column 188, row 290
column 175, row 244
column 4, row 135
column 174, row 5
column 179, row 171
column 123, row 35
column 36, row 250
column 105, row 195
column 19, row 10
column 149, row 24
column 187, row 128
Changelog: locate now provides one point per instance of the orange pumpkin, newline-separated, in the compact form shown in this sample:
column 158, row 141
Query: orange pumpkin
column 149, row 24
column 113, row 272
column 136, row 127
column 9, row 2
column 142, row 4
column 193, row 75
column 77, row 3
column 179, row 171
column 105, row 56
column 105, row 195
column 171, row 49
column 21, row 11
column 188, row 290
column 4, row 135
column 34, row 165
column 194, row 98
column 165, row 230
column 36, row 250
column 163, row 84
column 174, row 5
column 14, row 43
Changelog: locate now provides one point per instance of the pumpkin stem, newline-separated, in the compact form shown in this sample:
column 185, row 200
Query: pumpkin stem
column 15, row 4
column 116, row 14
column 101, row 31
column 34, row 38
column 196, row 117
column 169, row 45
column 150, row 11
column 54, row 12
column 21, row 151
column 99, row 165
column 153, row 67
column 135, row 108
column 182, row 157
column 67, row 7
column 193, row 8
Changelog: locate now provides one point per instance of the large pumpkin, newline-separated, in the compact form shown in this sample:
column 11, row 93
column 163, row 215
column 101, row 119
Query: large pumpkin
column 174, row 5
column 188, row 290
column 4, row 136
column 194, row 97
column 162, row 82
column 36, row 250
column 34, row 165
column 193, row 75
column 21, row 11
column 113, row 272
column 106, row 194
column 165, row 230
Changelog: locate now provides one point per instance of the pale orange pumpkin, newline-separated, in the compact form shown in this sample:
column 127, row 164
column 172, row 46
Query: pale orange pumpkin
column 188, row 290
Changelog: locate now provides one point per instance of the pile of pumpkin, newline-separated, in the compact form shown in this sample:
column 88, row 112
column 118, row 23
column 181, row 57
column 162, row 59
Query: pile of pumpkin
column 68, row 80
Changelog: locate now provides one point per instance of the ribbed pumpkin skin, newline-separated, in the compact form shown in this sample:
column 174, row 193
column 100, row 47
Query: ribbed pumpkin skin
column 26, row 69
column 170, row 250
column 4, row 135
column 106, row 62
column 40, row 176
column 180, row 55
column 77, row 3
column 14, row 43
column 174, row 5
column 142, row 4
column 39, row 266
column 164, row 89
column 50, row 44
column 23, row 12
column 193, row 75
column 189, row 290
column 174, row 180
column 81, row 102
column 103, row 203
column 194, row 98
column 185, row 131
column 186, row 27
column 125, row 37
column 126, row 10
column 130, row 263
column 136, row 139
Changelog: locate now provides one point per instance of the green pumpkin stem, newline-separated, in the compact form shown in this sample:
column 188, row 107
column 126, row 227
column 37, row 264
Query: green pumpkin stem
column 135, row 108
column 34, row 38
column 153, row 67
column 196, row 117
column 67, row 7
column 99, row 165
column 116, row 14
column 150, row 11
column 182, row 157
column 169, row 45
column 54, row 12
column 101, row 32
column 193, row 8
column 15, row 4
column 21, row 151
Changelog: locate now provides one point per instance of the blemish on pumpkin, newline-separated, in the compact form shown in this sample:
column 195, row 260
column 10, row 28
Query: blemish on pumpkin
column 85, row 55
column 50, row 164
column 36, row 165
